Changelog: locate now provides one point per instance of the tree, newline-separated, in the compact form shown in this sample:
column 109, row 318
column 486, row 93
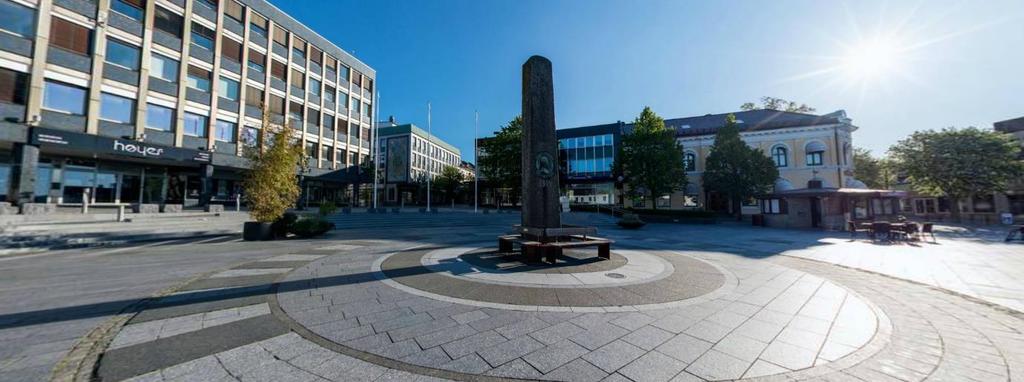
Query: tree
column 449, row 181
column 501, row 157
column 779, row 104
column 271, row 185
column 958, row 163
column 651, row 160
column 737, row 170
column 876, row 173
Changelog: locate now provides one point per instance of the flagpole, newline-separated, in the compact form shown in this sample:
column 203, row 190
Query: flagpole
column 476, row 158
column 374, row 148
column 430, row 159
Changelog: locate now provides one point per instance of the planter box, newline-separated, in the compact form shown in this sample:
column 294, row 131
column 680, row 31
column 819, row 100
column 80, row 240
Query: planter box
column 7, row 209
column 173, row 208
column 256, row 231
column 38, row 209
column 218, row 208
column 145, row 208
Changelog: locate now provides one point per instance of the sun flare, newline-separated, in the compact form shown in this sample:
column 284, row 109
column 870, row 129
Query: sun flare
column 871, row 59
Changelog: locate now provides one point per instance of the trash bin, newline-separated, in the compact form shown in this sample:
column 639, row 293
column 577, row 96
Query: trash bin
column 1006, row 218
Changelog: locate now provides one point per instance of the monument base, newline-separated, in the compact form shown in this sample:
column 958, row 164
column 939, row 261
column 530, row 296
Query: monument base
column 546, row 244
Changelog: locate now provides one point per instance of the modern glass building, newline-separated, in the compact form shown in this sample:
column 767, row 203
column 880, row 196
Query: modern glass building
column 154, row 101
column 586, row 155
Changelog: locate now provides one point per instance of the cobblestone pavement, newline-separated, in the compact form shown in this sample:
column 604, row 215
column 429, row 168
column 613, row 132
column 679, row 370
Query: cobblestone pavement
column 333, row 316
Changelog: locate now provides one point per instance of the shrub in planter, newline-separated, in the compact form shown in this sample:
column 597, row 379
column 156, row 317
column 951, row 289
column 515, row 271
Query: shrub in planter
column 270, row 185
column 327, row 208
column 311, row 226
column 631, row 221
column 282, row 226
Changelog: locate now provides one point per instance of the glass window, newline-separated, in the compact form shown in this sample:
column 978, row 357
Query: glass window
column 63, row 97
column 344, row 72
column 250, row 136
column 198, row 79
column 122, row 54
column 780, row 156
column 195, row 125
column 202, row 36
column 329, row 94
column 665, row 201
column 690, row 200
column 225, row 131
column 163, row 68
column 131, row 8
column 314, row 86
column 212, row 4
column 159, row 117
column 234, row 10
column 814, row 158
column 355, row 106
column 13, row 86
column 168, row 21
column 116, row 108
column 228, row 88
column 257, row 61
column 70, row 36
column 258, row 25
column 17, row 19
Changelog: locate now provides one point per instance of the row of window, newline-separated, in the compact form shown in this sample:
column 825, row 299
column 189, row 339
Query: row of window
column 779, row 154
column 67, row 35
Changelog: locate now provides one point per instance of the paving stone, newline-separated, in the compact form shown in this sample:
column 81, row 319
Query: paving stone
column 398, row 349
column 556, row 333
column 614, row 355
column 598, row 336
column 715, row 365
column 633, row 321
column 515, row 369
column 552, row 356
column 740, row 346
column 653, row 366
column 459, row 348
column 433, row 357
column 648, row 337
column 685, row 348
column 789, row 356
column 465, row 318
column 501, row 353
column 436, row 338
column 577, row 370
column 471, row 364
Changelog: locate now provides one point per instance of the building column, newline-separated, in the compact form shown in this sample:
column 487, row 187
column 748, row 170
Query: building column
column 23, row 177
column 205, row 184
column 33, row 106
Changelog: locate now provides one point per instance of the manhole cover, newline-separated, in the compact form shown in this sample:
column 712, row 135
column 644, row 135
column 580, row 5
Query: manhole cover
column 615, row 275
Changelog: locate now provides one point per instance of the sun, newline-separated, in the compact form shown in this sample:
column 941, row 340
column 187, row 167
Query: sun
column 871, row 59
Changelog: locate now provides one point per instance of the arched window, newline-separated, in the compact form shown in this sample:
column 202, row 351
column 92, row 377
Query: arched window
column 781, row 156
column 690, row 161
column 815, row 153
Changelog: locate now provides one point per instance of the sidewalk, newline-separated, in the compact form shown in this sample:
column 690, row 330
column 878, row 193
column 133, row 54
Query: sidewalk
column 29, row 237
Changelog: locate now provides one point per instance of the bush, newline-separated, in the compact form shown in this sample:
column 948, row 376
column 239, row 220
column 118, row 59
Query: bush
column 284, row 224
column 327, row 208
column 311, row 226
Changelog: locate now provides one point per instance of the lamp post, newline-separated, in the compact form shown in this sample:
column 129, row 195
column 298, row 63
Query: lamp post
column 430, row 159
column 476, row 152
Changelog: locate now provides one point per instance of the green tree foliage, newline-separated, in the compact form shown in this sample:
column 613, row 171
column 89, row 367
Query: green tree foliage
column 270, row 185
column 651, row 160
column 501, row 162
column 735, row 169
column 958, row 163
column 449, row 181
column 876, row 173
column 779, row 104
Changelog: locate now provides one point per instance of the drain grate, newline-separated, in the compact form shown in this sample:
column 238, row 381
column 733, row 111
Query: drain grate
column 615, row 275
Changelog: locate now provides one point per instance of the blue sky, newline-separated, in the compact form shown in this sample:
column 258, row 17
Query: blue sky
column 895, row 67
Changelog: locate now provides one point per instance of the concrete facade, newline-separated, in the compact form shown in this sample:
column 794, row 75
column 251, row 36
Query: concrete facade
column 335, row 93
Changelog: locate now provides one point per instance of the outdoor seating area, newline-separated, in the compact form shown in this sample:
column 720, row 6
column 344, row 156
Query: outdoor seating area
column 892, row 231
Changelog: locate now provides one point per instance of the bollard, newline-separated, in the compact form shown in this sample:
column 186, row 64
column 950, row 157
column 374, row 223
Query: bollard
column 238, row 202
column 120, row 213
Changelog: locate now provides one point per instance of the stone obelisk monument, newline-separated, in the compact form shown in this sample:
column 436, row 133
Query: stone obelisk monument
column 540, row 150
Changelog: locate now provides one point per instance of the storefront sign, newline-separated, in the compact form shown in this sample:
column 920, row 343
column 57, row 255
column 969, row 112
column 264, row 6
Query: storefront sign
column 137, row 149
column 104, row 145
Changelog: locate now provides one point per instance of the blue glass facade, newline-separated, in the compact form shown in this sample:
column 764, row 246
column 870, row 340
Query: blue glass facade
column 588, row 157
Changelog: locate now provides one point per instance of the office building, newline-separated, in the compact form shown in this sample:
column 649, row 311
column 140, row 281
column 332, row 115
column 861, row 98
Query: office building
column 408, row 156
column 154, row 101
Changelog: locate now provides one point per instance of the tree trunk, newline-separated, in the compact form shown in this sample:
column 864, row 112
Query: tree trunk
column 737, row 207
column 954, row 208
